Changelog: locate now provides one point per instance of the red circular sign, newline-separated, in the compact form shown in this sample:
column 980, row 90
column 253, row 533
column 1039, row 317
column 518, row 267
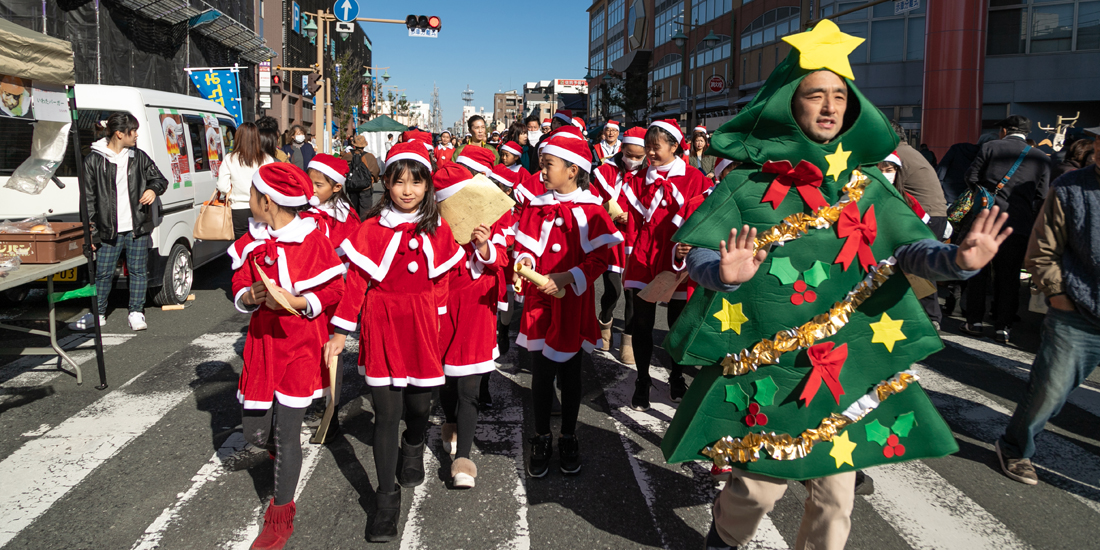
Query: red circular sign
column 716, row 84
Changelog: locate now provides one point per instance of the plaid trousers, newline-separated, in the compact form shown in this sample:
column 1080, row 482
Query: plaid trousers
column 137, row 261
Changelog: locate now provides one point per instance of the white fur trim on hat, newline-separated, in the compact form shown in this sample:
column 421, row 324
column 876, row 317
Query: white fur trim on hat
column 894, row 158
column 467, row 161
column 722, row 165
column 327, row 170
column 614, row 123
column 446, row 193
column 674, row 130
column 640, row 142
column 410, row 156
column 501, row 179
column 568, row 155
column 279, row 198
column 510, row 150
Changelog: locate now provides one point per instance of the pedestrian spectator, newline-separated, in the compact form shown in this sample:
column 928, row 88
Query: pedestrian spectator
column 1079, row 154
column 532, row 123
column 952, row 168
column 363, row 172
column 478, row 136
column 445, row 147
column 269, row 138
column 926, row 152
column 235, row 177
column 1063, row 256
column 298, row 150
column 704, row 163
column 120, row 225
column 609, row 145
column 390, row 142
column 1021, row 197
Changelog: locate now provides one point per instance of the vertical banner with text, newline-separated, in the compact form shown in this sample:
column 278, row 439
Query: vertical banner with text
column 220, row 86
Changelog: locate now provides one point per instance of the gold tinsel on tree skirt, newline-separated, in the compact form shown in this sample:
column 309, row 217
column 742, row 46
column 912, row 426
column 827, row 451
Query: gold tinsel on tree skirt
column 797, row 225
column 729, row 450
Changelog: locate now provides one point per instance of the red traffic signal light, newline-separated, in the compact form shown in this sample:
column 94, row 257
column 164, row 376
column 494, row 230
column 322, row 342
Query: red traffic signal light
column 276, row 80
column 434, row 23
column 423, row 22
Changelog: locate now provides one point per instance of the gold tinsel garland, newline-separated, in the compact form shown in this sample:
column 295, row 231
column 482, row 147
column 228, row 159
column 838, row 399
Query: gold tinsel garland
column 797, row 225
column 784, row 447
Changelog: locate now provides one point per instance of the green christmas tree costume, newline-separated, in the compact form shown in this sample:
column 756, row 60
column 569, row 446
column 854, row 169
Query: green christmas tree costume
column 813, row 412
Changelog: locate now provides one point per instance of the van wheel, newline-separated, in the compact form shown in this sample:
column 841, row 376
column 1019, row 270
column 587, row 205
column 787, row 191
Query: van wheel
column 178, row 276
column 14, row 296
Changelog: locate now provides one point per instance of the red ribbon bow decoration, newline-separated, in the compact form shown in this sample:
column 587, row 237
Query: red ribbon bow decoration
column 805, row 177
column 860, row 236
column 268, row 251
column 323, row 219
column 827, row 363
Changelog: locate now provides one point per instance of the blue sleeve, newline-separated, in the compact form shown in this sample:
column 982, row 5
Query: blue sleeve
column 931, row 260
column 702, row 266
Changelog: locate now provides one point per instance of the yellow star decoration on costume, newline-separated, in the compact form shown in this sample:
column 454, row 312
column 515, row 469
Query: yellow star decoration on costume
column 887, row 332
column 732, row 316
column 838, row 162
column 842, row 450
column 825, row 47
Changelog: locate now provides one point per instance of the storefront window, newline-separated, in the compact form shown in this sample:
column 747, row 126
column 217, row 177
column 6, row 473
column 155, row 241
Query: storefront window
column 1088, row 26
column 1052, row 28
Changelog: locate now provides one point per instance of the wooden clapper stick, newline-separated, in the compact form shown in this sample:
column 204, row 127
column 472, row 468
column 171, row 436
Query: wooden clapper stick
column 334, row 377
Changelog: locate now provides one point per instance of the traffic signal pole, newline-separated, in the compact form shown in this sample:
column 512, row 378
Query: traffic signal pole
column 320, row 97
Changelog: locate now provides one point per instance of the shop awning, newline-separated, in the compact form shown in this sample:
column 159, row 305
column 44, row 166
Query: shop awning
column 28, row 54
column 232, row 34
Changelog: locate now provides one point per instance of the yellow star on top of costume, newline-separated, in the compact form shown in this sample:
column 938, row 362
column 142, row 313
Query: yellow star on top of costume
column 838, row 162
column 732, row 316
column 825, row 47
column 887, row 332
column 842, row 450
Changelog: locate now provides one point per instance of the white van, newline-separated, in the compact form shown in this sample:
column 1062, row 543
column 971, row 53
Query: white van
column 187, row 137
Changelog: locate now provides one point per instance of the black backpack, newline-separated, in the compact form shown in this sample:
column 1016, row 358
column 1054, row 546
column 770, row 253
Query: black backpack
column 360, row 177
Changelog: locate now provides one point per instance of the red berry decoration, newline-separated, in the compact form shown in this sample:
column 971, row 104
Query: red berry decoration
column 810, row 296
column 800, row 286
column 797, row 299
column 755, row 417
column 892, row 440
column 802, row 294
column 893, row 447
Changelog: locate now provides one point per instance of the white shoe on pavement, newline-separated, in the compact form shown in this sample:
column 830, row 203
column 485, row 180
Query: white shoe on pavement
column 137, row 320
column 87, row 322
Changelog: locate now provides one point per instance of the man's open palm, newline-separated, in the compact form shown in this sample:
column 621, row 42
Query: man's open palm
column 983, row 240
column 738, row 261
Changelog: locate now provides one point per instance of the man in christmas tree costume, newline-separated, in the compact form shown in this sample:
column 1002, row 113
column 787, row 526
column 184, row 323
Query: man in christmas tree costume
column 807, row 347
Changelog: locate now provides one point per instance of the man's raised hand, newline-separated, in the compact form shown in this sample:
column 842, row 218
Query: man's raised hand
column 738, row 262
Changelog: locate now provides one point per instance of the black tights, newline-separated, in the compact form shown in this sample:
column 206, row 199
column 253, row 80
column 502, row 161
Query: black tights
column 612, row 289
column 645, row 315
column 389, row 401
column 543, row 371
column 460, row 406
column 287, row 423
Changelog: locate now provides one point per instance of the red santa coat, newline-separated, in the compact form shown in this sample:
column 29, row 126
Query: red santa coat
column 505, row 239
column 407, row 274
column 604, row 152
column 564, row 233
column 654, row 199
column 282, row 351
column 444, row 152
column 609, row 180
column 468, row 331
column 688, row 286
column 337, row 222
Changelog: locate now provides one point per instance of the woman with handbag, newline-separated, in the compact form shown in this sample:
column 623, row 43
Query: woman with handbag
column 235, row 177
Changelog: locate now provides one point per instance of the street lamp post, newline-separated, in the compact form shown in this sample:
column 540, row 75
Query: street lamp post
column 681, row 40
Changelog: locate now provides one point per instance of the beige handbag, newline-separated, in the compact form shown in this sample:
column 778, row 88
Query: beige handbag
column 215, row 222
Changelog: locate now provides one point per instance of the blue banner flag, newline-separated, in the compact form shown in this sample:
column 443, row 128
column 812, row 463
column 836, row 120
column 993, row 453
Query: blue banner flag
column 220, row 86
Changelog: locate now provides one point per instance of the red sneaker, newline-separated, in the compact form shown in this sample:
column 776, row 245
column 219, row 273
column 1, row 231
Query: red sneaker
column 278, row 526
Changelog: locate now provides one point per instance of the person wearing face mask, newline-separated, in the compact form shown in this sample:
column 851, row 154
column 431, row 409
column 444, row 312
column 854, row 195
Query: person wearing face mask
column 299, row 151
column 530, row 159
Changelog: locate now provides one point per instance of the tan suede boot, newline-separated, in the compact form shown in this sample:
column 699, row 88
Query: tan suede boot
column 464, row 473
column 449, row 436
column 627, row 350
column 605, row 335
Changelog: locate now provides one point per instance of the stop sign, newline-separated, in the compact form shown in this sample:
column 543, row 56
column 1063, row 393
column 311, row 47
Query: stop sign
column 716, row 84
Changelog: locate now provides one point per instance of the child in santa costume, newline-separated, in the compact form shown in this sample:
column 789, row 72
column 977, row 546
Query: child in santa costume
column 402, row 252
column 510, row 154
column 566, row 235
column 610, row 178
column 507, row 180
column 468, row 336
column 334, row 215
column 610, row 145
column 667, row 185
column 283, row 348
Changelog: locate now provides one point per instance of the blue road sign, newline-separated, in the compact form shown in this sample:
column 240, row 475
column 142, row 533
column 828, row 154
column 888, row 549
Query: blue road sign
column 346, row 10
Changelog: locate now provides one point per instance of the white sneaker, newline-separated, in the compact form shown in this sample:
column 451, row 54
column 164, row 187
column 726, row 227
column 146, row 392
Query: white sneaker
column 137, row 320
column 87, row 322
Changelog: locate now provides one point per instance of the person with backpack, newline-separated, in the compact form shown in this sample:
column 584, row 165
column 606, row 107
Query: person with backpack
column 363, row 172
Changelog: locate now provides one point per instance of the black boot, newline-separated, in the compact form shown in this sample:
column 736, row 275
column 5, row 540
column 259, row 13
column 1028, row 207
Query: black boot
column 387, row 511
column 640, row 400
column 410, row 467
column 542, row 446
column 504, row 343
column 677, row 387
column 569, row 454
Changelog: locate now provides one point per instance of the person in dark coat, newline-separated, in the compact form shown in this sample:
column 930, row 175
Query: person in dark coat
column 928, row 154
column 299, row 150
column 1021, row 198
column 1078, row 155
column 952, row 169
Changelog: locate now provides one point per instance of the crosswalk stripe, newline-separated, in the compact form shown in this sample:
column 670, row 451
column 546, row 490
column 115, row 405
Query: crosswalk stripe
column 40, row 370
column 43, row 470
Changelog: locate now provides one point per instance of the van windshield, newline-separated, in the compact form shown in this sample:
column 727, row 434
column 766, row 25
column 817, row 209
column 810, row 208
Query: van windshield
column 16, row 135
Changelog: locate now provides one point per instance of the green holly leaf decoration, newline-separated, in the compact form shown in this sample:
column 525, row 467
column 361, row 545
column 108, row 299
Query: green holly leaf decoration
column 737, row 396
column 765, row 391
column 817, row 274
column 782, row 268
column 904, row 424
column 877, row 432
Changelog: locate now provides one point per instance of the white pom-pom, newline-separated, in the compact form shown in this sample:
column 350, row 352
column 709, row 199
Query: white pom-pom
column 558, row 222
column 555, row 248
column 314, row 201
column 413, row 267
column 413, row 244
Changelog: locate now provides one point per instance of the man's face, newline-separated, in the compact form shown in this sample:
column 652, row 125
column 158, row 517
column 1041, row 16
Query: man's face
column 819, row 105
column 611, row 134
column 532, row 126
column 478, row 130
column 11, row 101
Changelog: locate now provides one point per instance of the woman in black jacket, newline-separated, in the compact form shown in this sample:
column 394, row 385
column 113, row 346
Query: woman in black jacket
column 120, row 224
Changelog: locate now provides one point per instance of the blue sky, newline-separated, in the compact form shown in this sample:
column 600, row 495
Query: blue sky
column 491, row 45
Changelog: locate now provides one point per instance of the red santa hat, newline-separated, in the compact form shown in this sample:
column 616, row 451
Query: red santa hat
column 568, row 132
column 575, row 121
column 613, row 124
column 545, row 122
column 285, row 184
column 512, row 147
column 566, row 147
column 721, row 166
column 448, row 180
column 702, row 129
column 505, row 176
column 417, row 135
column 565, row 115
column 478, row 158
column 672, row 127
column 635, row 136
column 409, row 150
column 336, row 169
column 894, row 158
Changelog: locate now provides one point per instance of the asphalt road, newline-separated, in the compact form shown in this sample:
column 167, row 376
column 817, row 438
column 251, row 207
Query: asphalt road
column 139, row 465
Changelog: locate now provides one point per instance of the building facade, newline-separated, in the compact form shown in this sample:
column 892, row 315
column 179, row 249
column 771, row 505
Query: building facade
column 507, row 107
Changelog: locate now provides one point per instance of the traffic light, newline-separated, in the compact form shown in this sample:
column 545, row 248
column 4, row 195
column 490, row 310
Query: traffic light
column 313, row 84
column 276, row 84
column 423, row 22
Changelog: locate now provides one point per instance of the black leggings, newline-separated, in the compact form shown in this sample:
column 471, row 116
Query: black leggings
column 460, row 405
column 543, row 371
column 645, row 315
column 287, row 425
column 612, row 289
column 389, row 401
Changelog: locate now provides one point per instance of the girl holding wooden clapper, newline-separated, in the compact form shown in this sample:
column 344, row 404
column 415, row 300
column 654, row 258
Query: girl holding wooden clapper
column 283, row 348
column 402, row 252
column 567, row 235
